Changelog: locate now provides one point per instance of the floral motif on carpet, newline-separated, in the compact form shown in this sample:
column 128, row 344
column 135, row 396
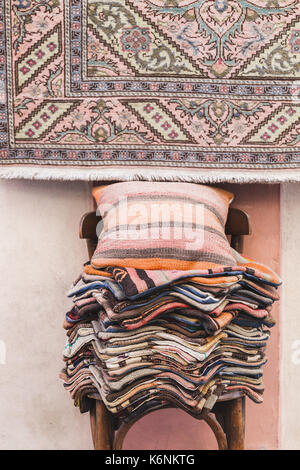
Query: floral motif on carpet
column 200, row 83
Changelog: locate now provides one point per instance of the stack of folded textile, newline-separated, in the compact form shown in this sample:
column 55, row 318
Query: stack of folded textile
column 143, row 333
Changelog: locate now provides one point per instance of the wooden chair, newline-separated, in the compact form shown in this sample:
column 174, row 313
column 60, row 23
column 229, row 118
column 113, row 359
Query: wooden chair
column 227, row 418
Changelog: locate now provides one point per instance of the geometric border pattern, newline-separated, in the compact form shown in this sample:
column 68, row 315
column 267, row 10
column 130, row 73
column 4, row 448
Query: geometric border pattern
column 244, row 156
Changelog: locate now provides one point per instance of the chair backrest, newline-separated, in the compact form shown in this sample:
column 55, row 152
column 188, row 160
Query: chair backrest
column 237, row 225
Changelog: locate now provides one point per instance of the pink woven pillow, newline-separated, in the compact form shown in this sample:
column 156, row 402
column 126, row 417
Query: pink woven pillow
column 159, row 225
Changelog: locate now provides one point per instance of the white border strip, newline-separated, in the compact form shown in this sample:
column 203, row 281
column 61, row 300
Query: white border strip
column 157, row 173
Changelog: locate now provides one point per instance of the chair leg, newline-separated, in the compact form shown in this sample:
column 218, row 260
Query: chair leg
column 234, row 423
column 217, row 429
column 93, row 421
column 101, row 426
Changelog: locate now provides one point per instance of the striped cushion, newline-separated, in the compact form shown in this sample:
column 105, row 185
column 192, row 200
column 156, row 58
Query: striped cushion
column 158, row 225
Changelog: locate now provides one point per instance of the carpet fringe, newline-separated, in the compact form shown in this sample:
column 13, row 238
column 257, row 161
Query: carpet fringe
column 192, row 175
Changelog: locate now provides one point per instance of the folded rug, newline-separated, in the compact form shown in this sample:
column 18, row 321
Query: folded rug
column 173, row 344
column 176, row 320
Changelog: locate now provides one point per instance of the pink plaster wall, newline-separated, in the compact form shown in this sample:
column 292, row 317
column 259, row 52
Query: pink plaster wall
column 174, row 429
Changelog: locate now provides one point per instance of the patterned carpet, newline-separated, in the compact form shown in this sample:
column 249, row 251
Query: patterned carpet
column 111, row 89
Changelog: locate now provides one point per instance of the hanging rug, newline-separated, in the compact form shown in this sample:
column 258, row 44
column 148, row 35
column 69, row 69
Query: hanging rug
column 194, row 90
